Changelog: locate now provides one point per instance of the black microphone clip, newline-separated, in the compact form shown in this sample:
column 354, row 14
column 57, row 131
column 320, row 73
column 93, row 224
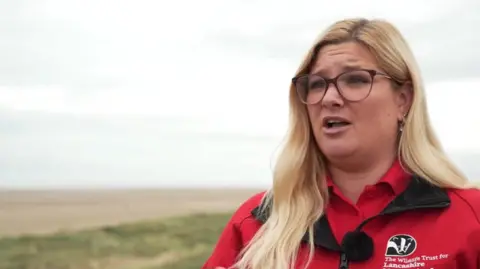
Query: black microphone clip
column 357, row 246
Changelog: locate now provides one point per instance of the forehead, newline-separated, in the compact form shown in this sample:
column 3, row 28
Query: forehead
column 341, row 57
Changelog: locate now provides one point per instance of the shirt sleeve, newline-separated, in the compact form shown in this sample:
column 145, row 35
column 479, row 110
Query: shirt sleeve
column 226, row 249
column 470, row 259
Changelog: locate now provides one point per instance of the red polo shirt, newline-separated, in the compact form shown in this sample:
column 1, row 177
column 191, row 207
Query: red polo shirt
column 344, row 216
column 400, row 222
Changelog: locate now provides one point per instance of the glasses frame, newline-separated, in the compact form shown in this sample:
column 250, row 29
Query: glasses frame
column 373, row 73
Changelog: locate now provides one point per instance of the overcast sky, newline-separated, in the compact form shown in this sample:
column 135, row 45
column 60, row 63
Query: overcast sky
column 97, row 92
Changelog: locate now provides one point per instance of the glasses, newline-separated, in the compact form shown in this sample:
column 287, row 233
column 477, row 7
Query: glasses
column 353, row 85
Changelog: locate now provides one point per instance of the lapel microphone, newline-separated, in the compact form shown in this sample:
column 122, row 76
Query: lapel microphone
column 357, row 246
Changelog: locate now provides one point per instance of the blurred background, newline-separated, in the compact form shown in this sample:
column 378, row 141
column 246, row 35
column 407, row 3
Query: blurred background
column 122, row 123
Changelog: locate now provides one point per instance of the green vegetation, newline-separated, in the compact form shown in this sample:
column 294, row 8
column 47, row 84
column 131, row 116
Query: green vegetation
column 175, row 243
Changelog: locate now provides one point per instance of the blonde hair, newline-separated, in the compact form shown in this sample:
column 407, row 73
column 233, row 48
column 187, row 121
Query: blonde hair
column 296, row 201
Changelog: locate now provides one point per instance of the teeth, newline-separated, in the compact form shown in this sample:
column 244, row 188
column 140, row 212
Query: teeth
column 335, row 123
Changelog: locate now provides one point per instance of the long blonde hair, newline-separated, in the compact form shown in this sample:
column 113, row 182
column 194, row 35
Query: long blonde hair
column 296, row 197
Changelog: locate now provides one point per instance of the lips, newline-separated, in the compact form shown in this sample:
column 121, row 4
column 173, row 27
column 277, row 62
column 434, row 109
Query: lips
column 335, row 122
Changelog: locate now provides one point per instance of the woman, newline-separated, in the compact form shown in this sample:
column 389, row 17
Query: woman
column 362, row 181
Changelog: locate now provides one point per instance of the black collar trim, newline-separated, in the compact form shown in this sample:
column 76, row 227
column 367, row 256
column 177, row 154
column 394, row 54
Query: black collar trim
column 419, row 194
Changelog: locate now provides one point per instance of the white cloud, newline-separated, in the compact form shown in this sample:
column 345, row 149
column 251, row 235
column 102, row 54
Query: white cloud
column 224, row 64
column 455, row 113
column 255, row 106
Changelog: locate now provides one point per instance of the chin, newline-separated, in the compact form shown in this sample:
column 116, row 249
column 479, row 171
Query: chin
column 337, row 151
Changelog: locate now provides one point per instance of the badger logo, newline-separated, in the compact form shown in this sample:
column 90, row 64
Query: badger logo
column 401, row 245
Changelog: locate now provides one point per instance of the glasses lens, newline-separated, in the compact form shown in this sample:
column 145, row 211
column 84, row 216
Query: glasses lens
column 355, row 85
column 310, row 88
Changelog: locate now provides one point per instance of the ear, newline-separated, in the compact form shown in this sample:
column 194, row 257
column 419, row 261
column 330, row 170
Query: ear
column 404, row 99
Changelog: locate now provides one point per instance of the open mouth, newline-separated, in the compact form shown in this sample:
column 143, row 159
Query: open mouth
column 335, row 123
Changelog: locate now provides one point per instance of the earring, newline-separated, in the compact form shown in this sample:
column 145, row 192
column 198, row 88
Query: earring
column 401, row 123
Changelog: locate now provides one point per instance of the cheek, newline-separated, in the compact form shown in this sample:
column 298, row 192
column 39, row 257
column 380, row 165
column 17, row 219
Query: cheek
column 377, row 118
column 314, row 116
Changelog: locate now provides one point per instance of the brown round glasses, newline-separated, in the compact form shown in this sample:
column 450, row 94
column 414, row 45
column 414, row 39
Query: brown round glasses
column 354, row 85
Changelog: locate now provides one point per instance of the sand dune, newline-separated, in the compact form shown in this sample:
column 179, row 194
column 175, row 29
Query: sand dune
column 33, row 212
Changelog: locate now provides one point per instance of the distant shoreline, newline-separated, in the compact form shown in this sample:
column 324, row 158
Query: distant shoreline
column 47, row 211
column 95, row 189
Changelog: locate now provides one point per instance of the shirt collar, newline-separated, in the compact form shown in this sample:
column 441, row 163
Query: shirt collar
column 396, row 178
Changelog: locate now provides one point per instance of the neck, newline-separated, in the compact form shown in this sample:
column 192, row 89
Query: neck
column 351, row 180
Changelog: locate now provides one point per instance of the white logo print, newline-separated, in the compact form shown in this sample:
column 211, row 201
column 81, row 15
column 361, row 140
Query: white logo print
column 401, row 245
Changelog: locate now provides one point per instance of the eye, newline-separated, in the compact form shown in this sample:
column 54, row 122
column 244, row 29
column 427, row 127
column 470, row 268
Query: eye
column 316, row 83
column 357, row 78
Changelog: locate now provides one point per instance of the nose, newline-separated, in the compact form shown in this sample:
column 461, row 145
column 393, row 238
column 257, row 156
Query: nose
column 332, row 97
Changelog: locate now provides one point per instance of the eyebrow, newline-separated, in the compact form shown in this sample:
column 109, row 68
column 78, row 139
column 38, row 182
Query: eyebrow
column 345, row 68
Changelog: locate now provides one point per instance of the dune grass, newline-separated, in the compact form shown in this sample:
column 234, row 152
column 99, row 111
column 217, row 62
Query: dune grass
column 174, row 243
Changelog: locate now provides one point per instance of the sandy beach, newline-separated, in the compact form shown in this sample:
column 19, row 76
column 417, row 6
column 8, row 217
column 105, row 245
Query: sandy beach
column 34, row 212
